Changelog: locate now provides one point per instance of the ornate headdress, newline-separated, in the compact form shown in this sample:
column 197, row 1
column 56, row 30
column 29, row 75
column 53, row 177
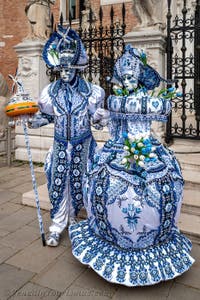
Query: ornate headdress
column 133, row 62
column 65, row 49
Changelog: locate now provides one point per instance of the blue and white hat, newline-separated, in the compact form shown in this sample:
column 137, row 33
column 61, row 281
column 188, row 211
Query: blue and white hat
column 134, row 62
column 65, row 49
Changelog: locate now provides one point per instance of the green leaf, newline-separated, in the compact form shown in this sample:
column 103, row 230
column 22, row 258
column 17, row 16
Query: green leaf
column 127, row 143
column 161, row 92
column 127, row 165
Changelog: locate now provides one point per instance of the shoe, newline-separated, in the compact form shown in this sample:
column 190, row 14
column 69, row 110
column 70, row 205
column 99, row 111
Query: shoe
column 53, row 239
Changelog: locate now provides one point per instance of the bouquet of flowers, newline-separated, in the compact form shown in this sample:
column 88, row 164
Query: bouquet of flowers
column 138, row 150
column 168, row 93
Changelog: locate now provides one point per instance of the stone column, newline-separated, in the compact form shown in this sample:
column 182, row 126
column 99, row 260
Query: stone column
column 152, row 41
column 32, row 71
column 31, row 67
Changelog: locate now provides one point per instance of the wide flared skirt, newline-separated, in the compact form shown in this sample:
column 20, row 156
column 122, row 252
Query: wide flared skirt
column 131, row 267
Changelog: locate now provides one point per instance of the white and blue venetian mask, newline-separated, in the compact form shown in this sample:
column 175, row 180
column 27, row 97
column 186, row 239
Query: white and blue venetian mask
column 132, row 63
column 129, row 81
column 67, row 74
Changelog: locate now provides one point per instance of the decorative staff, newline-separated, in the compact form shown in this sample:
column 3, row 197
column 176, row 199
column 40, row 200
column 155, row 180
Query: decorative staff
column 20, row 108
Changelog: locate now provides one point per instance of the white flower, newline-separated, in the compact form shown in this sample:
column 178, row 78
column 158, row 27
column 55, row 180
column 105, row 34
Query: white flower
column 142, row 135
column 135, row 157
column 126, row 148
column 124, row 161
column 141, row 164
column 140, row 145
column 131, row 137
column 153, row 148
column 138, row 136
column 152, row 155
column 132, row 149
column 142, row 157
column 132, row 140
column 116, row 87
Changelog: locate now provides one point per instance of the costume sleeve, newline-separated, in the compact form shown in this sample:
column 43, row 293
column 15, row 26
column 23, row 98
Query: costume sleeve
column 39, row 120
column 99, row 116
column 96, row 99
column 46, row 114
column 45, row 102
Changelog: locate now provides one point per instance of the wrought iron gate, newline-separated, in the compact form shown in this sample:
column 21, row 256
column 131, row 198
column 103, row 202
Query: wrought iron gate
column 103, row 43
column 183, row 65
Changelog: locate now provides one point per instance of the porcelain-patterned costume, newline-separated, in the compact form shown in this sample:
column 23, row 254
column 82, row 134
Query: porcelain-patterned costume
column 131, row 235
column 72, row 106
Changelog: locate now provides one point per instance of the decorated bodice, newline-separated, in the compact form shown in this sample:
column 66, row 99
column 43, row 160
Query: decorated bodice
column 72, row 106
column 134, row 113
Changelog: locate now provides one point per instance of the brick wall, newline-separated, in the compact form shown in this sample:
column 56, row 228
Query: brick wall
column 14, row 27
column 129, row 19
column 56, row 11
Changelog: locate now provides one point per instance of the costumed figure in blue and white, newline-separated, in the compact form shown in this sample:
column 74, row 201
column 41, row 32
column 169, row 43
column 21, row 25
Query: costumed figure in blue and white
column 72, row 104
column 134, row 188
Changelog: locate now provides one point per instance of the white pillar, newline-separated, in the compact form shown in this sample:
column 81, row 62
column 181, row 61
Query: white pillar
column 32, row 71
column 152, row 41
column 31, row 67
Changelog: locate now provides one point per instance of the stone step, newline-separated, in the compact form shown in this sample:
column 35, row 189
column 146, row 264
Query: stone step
column 40, row 141
column 29, row 198
column 191, row 202
column 191, row 198
column 190, row 226
column 183, row 145
column 189, row 161
column 101, row 135
column 189, row 223
column 192, row 179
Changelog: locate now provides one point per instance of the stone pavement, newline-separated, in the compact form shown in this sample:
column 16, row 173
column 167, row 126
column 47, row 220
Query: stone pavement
column 30, row 271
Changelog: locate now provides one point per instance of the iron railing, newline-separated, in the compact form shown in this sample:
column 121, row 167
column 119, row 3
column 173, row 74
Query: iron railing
column 7, row 146
column 183, row 65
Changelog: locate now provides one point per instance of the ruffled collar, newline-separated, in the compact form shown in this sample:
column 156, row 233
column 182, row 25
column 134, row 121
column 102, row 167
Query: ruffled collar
column 78, row 84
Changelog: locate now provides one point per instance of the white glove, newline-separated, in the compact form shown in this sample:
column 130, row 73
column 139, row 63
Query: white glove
column 37, row 121
column 101, row 116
